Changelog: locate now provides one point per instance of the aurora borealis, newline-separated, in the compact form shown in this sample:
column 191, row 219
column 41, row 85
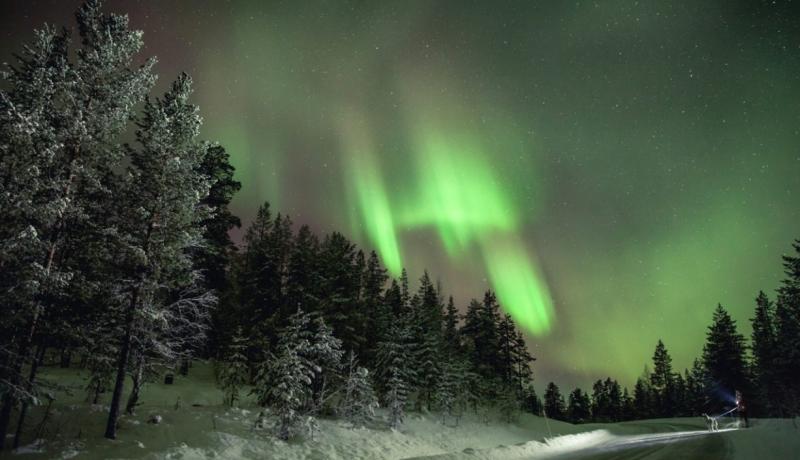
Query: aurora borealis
column 613, row 169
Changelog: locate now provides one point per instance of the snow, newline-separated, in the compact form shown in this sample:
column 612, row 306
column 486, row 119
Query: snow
column 204, row 428
column 421, row 435
column 767, row 438
column 777, row 438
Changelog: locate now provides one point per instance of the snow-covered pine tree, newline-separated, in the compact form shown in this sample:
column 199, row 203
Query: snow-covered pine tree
column 289, row 388
column 508, row 403
column 284, row 382
column 426, row 322
column 396, row 397
column 359, row 402
column 447, row 388
column 326, row 355
column 394, row 357
column 295, row 336
column 234, row 372
column 159, row 220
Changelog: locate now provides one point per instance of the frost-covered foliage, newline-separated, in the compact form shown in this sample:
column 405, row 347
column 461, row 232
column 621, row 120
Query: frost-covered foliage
column 447, row 390
column 394, row 358
column 234, row 372
column 359, row 402
column 294, row 344
column 63, row 111
column 286, row 381
column 396, row 397
column 326, row 353
column 100, row 360
column 166, row 310
column 291, row 385
column 395, row 373
column 508, row 403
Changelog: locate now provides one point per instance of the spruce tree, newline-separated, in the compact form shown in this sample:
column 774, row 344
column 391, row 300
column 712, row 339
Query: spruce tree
column 600, row 402
column 554, row 402
column 452, row 394
column 679, row 397
column 765, row 347
column 696, row 388
column 723, row 358
column 506, row 349
column 451, row 319
column 427, row 330
column 615, row 403
column 303, row 275
column 662, row 381
column 339, row 290
column 234, row 372
column 787, row 315
column 284, row 381
column 377, row 314
column 326, row 355
column 642, row 398
column 522, row 360
column 531, row 402
column 394, row 360
column 628, row 408
column 396, row 397
column 578, row 407
column 508, row 403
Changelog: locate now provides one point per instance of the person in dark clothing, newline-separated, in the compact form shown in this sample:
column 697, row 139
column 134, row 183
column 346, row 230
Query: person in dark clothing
column 741, row 408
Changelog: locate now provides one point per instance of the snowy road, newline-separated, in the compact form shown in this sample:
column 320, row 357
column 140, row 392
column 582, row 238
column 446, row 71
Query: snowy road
column 666, row 441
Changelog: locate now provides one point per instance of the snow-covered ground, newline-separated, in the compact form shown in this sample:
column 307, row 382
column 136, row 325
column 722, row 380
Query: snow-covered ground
column 195, row 425
column 658, row 439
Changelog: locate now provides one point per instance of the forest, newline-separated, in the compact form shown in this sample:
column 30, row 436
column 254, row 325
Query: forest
column 116, row 259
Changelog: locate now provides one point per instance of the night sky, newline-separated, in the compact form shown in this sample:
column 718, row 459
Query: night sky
column 613, row 168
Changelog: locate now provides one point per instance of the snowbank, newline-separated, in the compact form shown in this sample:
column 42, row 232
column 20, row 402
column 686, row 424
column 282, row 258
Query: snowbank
column 421, row 436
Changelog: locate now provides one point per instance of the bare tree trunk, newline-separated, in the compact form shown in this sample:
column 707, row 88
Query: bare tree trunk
column 5, row 417
column 137, row 377
column 24, row 410
column 122, row 362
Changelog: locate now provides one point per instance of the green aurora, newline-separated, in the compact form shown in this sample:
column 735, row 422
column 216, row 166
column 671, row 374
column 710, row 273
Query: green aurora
column 613, row 169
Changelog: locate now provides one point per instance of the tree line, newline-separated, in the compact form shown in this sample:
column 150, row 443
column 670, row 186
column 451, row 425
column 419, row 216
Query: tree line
column 289, row 293
column 765, row 370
